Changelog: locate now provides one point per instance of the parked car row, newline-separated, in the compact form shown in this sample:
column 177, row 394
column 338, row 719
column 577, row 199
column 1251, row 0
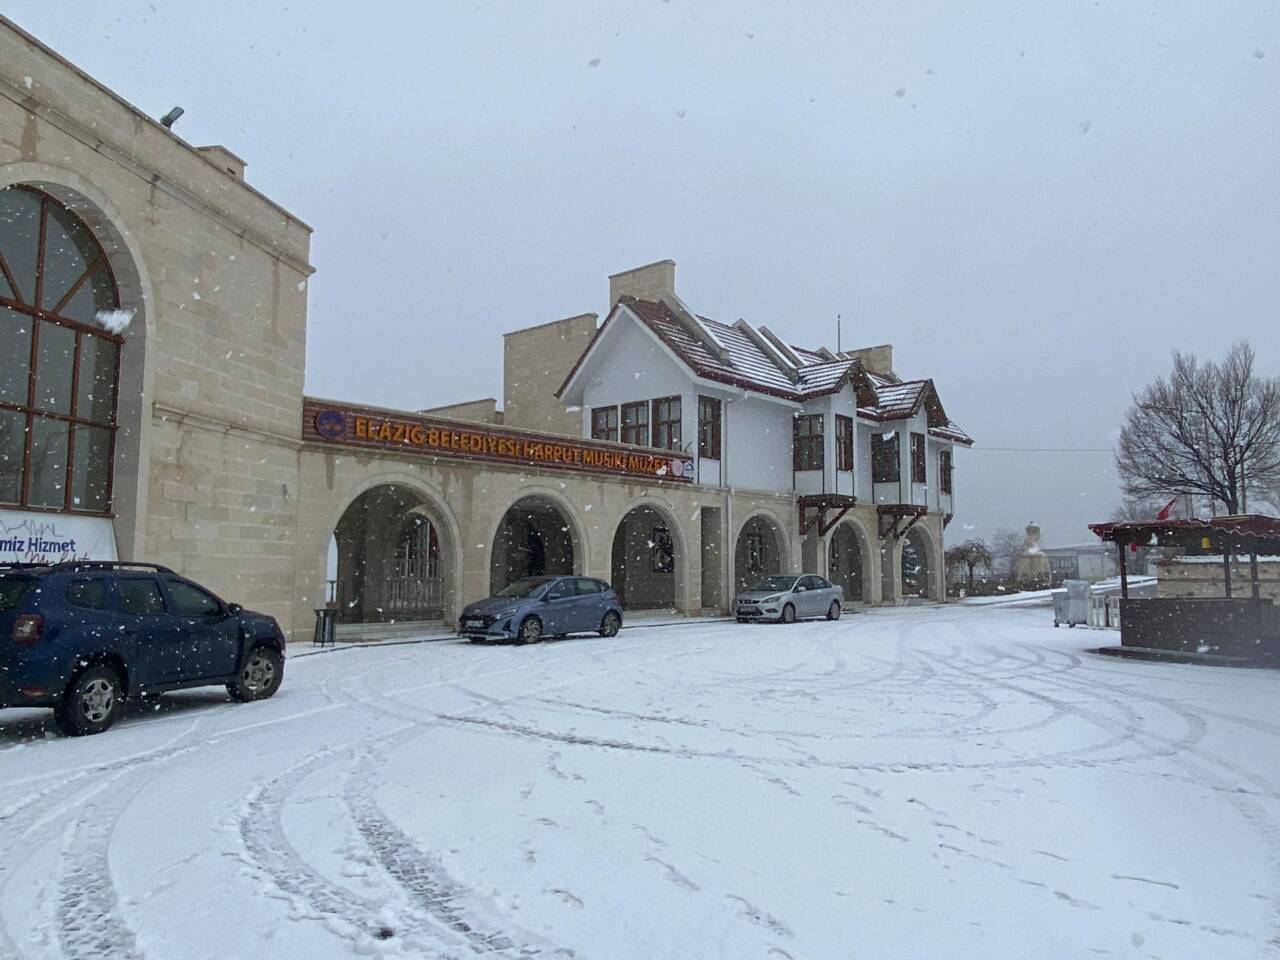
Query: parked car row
column 84, row 637
column 531, row 608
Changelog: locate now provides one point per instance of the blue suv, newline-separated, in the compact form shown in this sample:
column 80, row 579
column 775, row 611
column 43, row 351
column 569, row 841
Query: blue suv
column 531, row 608
column 84, row 637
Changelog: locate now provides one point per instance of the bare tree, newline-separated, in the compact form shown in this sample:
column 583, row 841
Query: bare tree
column 1211, row 429
column 1006, row 544
column 969, row 555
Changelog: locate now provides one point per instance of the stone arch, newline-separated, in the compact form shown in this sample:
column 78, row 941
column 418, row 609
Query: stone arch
column 754, row 554
column 429, row 502
column 646, row 587
column 503, row 566
column 134, row 286
column 918, row 564
column 849, row 560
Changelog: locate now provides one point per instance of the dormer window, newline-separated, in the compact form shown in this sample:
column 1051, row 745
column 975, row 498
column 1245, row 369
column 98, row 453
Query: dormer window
column 917, row 459
column 666, row 423
column 844, row 442
column 807, row 447
column 885, row 467
column 635, row 423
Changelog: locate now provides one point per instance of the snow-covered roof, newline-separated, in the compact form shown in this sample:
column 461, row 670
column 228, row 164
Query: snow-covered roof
column 762, row 362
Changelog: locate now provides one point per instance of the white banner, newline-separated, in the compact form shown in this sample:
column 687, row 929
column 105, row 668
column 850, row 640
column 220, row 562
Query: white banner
column 54, row 537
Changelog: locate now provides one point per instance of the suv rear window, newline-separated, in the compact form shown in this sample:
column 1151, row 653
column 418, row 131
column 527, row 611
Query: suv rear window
column 87, row 594
column 12, row 590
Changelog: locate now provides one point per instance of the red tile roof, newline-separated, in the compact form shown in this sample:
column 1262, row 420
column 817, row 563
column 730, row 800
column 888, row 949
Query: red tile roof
column 744, row 364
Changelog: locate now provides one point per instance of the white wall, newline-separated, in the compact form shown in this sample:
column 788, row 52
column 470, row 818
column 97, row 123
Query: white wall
column 757, row 445
column 630, row 365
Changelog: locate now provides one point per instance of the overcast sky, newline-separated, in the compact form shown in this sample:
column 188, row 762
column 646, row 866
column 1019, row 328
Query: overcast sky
column 1034, row 202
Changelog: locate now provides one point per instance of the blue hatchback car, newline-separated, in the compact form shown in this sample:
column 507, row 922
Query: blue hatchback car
column 83, row 637
column 531, row 608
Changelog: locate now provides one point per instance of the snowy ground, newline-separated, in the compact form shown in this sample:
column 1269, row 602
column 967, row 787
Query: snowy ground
column 911, row 783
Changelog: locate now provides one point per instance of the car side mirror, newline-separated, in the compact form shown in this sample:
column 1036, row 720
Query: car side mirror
column 801, row 589
column 234, row 609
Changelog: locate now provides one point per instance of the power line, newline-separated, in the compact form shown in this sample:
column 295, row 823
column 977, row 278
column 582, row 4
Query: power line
column 1045, row 449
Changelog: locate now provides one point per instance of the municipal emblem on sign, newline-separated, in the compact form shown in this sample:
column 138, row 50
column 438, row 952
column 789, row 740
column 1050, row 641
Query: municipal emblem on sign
column 331, row 424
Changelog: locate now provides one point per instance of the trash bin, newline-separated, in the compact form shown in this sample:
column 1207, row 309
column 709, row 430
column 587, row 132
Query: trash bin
column 1071, row 605
column 326, row 621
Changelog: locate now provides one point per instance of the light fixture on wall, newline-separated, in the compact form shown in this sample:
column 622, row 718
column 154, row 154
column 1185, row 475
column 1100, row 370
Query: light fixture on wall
column 168, row 120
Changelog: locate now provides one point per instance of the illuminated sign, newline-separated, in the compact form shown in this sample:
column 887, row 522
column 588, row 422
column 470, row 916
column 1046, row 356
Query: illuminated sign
column 426, row 436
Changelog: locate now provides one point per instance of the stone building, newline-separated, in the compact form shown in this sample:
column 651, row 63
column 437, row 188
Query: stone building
column 168, row 430
column 152, row 351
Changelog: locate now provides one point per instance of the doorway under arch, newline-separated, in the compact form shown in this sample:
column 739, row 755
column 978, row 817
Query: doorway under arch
column 846, row 563
column 759, row 552
column 646, row 560
column 392, row 558
column 916, row 567
column 535, row 538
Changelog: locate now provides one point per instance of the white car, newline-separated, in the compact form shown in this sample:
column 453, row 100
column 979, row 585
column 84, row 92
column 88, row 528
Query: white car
column 789, row 598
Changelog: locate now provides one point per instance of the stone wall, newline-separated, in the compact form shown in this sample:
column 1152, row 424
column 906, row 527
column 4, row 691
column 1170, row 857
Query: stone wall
column 535, row 363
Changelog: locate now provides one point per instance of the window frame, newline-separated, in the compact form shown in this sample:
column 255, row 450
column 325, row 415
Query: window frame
column 665, row 431
column 118, row 598
column 601, row 431
column 639, row 428
column 29, row 410
column 710, row 413
column 919, row 458
column 808, row 450
column 78, row 582
column 880, row 457
column 844, row 443
column 662, row 555
column 945, row 468
column 171, row 586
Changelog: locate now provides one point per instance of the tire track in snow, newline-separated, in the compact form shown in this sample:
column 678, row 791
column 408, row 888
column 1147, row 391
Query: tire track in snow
column 89, row 925
column 423, row 878
column 347, row 914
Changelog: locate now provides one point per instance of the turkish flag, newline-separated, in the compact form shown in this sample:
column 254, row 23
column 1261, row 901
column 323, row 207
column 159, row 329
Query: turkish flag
column 1168, row 507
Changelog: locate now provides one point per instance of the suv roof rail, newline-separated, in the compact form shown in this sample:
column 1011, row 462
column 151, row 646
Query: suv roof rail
column 108, row 565
column 23, row 566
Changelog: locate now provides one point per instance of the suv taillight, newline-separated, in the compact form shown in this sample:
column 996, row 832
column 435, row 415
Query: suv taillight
column 28, row 629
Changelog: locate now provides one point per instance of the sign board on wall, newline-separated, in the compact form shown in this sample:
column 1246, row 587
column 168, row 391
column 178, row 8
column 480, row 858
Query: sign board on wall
column 450, row 439
column 54, row 537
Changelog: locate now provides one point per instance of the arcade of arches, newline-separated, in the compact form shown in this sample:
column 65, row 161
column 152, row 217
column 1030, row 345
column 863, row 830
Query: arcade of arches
column 406, row 554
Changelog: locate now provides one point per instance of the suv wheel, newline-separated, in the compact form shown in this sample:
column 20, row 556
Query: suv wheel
column 259, row 677
column 93, row 702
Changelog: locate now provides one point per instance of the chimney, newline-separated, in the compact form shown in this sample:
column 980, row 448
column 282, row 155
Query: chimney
column 878, row 360
column 653, row 281
column 224, row 160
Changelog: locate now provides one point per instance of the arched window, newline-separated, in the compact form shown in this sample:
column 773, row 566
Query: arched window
column 418, row 550
column 59, row 366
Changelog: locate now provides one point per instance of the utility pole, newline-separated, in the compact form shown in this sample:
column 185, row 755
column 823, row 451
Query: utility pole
column 839, row 346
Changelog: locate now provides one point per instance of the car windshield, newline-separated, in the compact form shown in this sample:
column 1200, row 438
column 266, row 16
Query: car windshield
column 774, row 584
column 528, row 587
column 11, row 590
